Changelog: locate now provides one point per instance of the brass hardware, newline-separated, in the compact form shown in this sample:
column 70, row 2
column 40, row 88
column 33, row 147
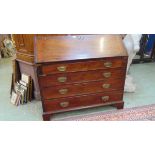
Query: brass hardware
column 108, row 64
column 61, row 68
column 62, row 79
column 107, row 74
column 63, row 91
column 105, row 98
column 64, row 104
column 106, row 85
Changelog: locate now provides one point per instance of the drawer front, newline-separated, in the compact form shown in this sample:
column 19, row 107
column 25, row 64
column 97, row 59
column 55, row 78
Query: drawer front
column 80, row 89
column 81, row 101
column 79, row 77
column 82, row 66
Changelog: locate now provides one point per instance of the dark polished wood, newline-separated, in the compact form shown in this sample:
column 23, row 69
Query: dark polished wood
column 25, row 56
column 119, row 105
column 81, row 71
column 82, row 88
column 25, row 45
column 46, row 117
column 80, row 77
column 86, row 65
column 81, row 101
column 64, row 48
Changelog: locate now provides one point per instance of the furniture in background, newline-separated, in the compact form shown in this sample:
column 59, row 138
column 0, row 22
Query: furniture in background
column 147, row 49
column 25, row 57
column 81, row 71
column 2, row 38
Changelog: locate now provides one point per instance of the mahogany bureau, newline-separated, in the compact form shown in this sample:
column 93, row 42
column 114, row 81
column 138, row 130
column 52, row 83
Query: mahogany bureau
column 81, row 71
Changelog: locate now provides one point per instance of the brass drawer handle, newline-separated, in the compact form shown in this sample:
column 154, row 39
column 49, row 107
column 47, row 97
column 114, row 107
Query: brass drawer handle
column 64, row 104
column 63, row 91
column 107, row 74
column 108, row 64
column 62, row 79
column 105, row 98
column 61, row 68
column 106, row 86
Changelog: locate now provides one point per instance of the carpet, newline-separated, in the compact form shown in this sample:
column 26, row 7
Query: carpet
column 144, row 113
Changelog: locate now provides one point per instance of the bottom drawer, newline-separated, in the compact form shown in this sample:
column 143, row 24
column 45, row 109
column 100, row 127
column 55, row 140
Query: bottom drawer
column 78, row 102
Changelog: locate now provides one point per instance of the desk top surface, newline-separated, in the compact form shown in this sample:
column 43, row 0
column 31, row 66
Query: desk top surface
column 78, row 47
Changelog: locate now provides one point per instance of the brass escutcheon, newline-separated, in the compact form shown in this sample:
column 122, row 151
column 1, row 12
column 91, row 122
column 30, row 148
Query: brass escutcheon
column 107, row 74
column 61, row 68
column 63, row 91
column 64, row 104
column 62, row 79
column 108, row 64
column 106, row 85
column 105, row 98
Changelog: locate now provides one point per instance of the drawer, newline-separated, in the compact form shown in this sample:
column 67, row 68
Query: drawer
column 78, row 102
column 82, row 66
column 79, row 77
column 80, row 89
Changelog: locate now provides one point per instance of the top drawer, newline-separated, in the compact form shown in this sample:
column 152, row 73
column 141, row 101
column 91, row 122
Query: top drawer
column 82, row 66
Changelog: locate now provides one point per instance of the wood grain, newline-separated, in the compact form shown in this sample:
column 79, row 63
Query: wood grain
column 82, row 88
column 64, row 48
column 81, row 101
column 71, row 69
column 80, row 77
column 83, row 65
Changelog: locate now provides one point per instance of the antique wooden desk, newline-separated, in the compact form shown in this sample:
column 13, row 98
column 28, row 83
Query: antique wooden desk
column 81, row 71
